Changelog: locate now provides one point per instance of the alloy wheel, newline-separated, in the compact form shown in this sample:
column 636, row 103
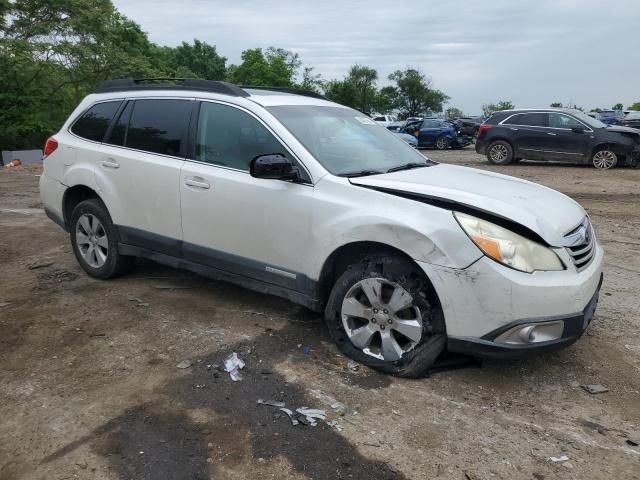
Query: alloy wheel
column 604, row 159
column 92, row 241
column 498, row 153
column 441, row 143
column 380, row 318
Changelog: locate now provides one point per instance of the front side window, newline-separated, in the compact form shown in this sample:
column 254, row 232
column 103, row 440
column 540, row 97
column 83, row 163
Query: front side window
column 230, row 137
column 344, row 141
column 158, row 126
column 557, row 120
column 94, row 123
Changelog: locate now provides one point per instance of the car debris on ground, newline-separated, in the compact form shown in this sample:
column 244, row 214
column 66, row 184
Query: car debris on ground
column 594, row 389
column 233, row 364
column 561, row 458
column 302, row 415
column 184, row 364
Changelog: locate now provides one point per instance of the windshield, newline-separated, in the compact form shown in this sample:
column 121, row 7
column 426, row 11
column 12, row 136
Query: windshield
column 346, row 142
column 592, row 122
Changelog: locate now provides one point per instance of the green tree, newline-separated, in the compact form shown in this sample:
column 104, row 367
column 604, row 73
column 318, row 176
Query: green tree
column 201, row 59
column 386, row 99
column 363, row 80
column 489, row 108
column 597, row 109
column 453, row 113
column 556, row 105
column 618, row 106
column 415, row 93
column 276, row 68
column 311, row 82
column 634, row 106
column 342, row 92
column 52, row 54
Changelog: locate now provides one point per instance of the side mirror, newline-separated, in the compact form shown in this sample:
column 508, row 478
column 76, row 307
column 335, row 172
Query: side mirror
column 577, row 130
column 273, row 166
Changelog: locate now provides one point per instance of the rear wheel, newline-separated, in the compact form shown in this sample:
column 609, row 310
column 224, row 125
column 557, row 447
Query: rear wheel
column 94, row 241
column 384, row 313
column 500, row 153
column 442, row 142
column 604, row 159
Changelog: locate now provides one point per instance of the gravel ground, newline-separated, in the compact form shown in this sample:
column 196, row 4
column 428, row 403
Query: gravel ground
column 89, row 387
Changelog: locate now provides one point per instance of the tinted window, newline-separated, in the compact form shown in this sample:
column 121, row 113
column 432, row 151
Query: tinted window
column 232, row 138
column 119, row 130
column 557, row 120
column 380, row 119
column 430, row 124
column 158, row 126
column 94, row 123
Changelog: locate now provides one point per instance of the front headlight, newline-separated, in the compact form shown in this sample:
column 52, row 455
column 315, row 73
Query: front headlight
column 507, row 247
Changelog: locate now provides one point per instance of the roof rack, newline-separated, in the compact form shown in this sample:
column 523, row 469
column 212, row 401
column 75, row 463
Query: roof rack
column 167, row 83
column 294, row 91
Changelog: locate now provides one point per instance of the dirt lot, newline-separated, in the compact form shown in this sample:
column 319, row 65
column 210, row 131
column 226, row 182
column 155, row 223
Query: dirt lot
column 89, row 387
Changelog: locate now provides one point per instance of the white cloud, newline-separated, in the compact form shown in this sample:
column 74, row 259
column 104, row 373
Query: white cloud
column 532, row 53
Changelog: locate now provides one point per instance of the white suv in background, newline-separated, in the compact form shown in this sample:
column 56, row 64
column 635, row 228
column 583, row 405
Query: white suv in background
column 384, row 120
column 299, row 197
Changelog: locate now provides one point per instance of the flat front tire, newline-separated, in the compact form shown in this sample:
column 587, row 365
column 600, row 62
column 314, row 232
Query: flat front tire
column 94, row 241
column 383, row 312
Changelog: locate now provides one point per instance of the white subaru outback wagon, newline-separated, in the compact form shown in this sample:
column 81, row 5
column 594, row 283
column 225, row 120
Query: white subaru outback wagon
column 287, row 193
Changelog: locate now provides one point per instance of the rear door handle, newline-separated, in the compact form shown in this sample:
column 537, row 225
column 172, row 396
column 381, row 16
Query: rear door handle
column 196, row 182
column 552, row 134
column 110, row 163
column 514, row 129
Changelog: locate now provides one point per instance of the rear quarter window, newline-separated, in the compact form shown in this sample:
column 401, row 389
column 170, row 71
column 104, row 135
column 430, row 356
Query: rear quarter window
column 93, row 124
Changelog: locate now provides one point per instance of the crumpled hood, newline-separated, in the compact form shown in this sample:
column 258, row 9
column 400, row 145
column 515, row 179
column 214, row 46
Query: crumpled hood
column 547, row 212
column 622, row 129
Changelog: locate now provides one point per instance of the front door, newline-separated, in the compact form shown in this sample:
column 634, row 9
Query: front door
column 231, row 221
column 568, row 139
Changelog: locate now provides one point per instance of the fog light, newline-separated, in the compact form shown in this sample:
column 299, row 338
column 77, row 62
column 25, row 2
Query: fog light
column 528, row 333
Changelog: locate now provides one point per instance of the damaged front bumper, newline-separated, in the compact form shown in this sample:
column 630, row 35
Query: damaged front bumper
column 493, row 311
column 510, row 340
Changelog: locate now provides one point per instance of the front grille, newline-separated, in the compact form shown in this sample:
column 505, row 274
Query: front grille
column 580, row 244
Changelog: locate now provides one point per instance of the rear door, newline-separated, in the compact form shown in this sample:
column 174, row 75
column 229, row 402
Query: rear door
column 257, row 228
column 429, row 130
column 568, row 139
column 528, row 133
column 138, row 174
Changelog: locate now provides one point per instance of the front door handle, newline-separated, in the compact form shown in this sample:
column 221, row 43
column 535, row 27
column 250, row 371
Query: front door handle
column 514, row 129
column 552, row 134
column 196, row 182
column 110, row 163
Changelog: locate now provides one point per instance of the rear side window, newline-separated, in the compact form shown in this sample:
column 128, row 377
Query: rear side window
column 94, row 123
column 158, row 126
column 529, row 119
column 231, row 137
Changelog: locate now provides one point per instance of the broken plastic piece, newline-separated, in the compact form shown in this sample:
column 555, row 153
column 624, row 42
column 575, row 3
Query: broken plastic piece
column 335, row 425
column 594, row 389
column 312, row 413
column 353, row 365
column 273, row 403
column 184, row 364
column 561, row 458
column 290, row 415
column 233, row 364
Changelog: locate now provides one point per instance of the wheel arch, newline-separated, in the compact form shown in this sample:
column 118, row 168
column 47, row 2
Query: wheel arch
column 349, row 254
column 72, row 197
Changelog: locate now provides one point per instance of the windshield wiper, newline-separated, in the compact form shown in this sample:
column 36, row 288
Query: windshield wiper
column 362, row 173
column 408, row 166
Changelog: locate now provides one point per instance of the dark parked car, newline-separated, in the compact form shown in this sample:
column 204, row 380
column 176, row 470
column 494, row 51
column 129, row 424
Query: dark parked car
column 631, row 120
column 468, row 125
column 556, row 135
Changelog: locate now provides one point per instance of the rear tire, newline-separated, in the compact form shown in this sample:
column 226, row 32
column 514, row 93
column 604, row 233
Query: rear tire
column 500, row 153
column 95, row 242
column 406, row 303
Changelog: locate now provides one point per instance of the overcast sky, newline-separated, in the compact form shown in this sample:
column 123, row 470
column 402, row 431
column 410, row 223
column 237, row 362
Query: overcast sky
column 477, row 51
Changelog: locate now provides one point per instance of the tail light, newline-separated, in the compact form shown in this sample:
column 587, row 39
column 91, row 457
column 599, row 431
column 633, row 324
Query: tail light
column 482, row 128
column 50, row 146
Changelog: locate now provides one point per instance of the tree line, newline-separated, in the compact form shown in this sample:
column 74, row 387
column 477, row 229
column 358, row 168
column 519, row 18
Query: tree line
column 53, row 53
